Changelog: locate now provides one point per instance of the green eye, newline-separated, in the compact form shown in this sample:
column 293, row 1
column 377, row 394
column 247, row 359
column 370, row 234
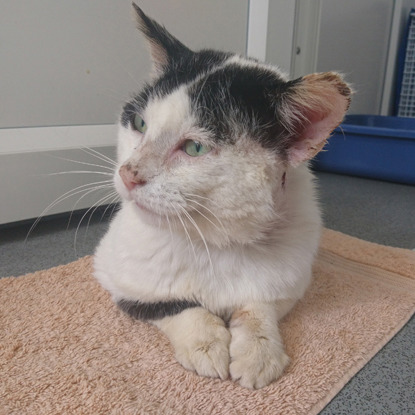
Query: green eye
column 195, row 149
column 139, row 124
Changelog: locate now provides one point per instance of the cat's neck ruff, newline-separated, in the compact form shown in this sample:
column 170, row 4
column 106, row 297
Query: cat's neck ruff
column 143, row 261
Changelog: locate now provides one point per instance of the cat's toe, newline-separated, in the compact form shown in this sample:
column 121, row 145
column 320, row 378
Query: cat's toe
column 207, row 353
column 257, row 362
column 255, row 374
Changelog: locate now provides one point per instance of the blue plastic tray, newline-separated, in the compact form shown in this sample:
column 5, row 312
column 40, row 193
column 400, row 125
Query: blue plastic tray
column 373, row 146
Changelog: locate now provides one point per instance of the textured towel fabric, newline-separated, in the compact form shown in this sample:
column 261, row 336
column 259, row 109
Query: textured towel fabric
column 66, row 349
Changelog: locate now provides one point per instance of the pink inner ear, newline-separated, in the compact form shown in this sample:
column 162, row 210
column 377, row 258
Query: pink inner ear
column 313, row 135
column 315, row 107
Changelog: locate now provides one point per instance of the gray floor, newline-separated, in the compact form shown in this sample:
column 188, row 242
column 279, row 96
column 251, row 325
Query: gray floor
column 372, row 210
column 384, row 213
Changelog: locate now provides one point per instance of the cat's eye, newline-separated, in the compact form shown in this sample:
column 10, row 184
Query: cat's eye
column 195, row 149
column 139, row 124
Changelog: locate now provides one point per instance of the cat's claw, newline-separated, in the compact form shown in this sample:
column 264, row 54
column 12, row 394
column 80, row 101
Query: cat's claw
column 256, row 361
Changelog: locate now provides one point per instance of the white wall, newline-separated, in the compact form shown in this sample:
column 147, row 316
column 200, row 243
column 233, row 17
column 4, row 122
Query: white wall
column 291, row 40
column 74, row 62
column 354, row 39
column 280, row 33
column 66, row 69
column 32, row 181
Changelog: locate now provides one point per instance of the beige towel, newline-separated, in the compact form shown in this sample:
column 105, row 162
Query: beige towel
column 66, row 349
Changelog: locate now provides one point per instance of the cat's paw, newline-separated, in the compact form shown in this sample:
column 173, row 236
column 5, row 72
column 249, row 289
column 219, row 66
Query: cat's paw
column 204, row 348
column 256, row 360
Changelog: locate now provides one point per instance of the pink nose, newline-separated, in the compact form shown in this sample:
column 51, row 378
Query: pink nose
column 130, row 177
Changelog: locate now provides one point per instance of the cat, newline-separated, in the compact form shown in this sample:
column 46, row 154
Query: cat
column 219, row 225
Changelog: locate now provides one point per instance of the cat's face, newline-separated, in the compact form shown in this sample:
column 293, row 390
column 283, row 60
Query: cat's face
column 206, row 146
column 179, row 168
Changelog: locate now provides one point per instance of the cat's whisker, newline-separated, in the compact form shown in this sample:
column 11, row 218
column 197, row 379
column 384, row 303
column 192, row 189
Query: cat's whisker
column 84, row 163
column 82, row 188
column 89, row 192
column 116, row 205
column 99, row 203
column 170, row 229
column 94, row 207
column 193, row 222
column 166, row 217
column 66, row 195
column 100, row 156
column 200, row 197
column 192, row 195
column 86, row 193
column 208, row 210
column 220, row 229
column 80, row 172
column 114, row 201
column 185, row 230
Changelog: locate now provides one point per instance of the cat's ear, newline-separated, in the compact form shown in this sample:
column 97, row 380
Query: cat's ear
column 313, row 106
column 164, row 47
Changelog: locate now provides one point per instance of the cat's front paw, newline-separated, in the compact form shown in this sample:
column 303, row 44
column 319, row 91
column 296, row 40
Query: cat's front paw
column 256, row 359
column 204, row 347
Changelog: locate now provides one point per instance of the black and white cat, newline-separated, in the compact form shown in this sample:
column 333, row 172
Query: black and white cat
column 219, row 226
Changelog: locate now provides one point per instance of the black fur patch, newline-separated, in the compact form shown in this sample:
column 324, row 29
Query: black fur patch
column 154, row 311
column 228, row 100
column 183, row 69
column 239, row 99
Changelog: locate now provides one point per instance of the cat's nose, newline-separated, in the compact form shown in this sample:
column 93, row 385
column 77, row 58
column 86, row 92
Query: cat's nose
column 130, row 177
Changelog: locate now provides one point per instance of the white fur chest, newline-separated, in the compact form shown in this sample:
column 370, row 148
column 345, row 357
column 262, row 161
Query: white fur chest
column 136, row 261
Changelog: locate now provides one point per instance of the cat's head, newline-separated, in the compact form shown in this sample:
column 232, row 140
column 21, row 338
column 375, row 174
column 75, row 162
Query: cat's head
column 207, row 145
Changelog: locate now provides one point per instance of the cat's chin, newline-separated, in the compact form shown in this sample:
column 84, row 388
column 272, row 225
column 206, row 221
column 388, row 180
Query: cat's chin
column 145, row 213
column 148, row 216
column 144, row 208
